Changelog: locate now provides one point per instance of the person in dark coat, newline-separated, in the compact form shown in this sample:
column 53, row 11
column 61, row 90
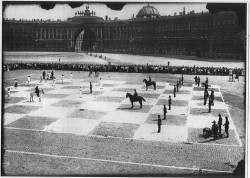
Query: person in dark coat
column 15, row 83
column 37, row 91
column 149, row 78
column 182, row 79
column 220, row 123
column 90, row 87
column 205, row 96
column 135, row 93
column 212, row 97
column 198, row 81
column 177, row 86
column 195, row 80
column 169, row 103
column 226, row 126
column 215, row 130
column 44, row 75
column 209, row 104
column 164, row 111
column 159, row 124
column 174, row 91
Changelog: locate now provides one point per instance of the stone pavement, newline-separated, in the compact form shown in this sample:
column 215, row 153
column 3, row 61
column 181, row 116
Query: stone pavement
column 65, row 108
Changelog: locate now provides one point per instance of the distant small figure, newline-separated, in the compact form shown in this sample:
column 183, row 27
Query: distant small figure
column 226, row 126
column 195, row 80
column 174, row 91
column 169, row 103
column 220, row 123
column 62, row 78
column 209, row 104
column 59, row 60
column 54, row 81
column 179, row 82
column 164, row 111
column 198, row 81
column 71, row 76
column 182, row 79
column 90, row 87
column 177, row 86
column 29, row 79
column 80, row 91
column 15, row 83
column 168, row 63
column 212, row 96
column 44, row 75
column 8, row 92
column 159, row 124
column 215, row 130
column 206, row 95
column 41, row 79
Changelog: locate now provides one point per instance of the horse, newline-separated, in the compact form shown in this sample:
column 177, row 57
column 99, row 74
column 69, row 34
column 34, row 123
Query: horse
column 149, row 83
column 134, row 99
column 33, row 93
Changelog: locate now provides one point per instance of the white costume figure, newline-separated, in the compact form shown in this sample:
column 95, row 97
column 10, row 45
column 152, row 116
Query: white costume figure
column 62, row 78
column 29, row 79
column 71, row 76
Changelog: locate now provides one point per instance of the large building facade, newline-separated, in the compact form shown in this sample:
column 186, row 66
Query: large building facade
column 196, row 34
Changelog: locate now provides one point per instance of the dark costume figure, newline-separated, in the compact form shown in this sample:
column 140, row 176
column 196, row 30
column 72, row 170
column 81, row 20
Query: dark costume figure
column 177, row 86
column 164, row 111
column 195, row 80
column 180, row 82
column 182, row 79
column 159, row 124
column 209, row 104
column 212, row 97
column 226, row 126
column 135, row 93
column 37, row 91
column 215, row 130
column 174, row 91
column 198, row 81
column 44, row 75
column 149, row 78
column 220, row 123
column 206, row 95
column 15, row 83
column 90, row 87
column 169, row 103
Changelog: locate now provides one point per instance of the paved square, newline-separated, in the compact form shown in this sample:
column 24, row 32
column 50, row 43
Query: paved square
column 107, row 111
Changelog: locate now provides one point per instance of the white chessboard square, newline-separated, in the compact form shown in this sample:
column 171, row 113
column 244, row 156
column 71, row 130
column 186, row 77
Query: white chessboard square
column 175, row 110
column 125, row 117
column 10, row 117
column 100, row 106
column 114, row 94
column 52, row 111
column 73, row 126
column 200, row 104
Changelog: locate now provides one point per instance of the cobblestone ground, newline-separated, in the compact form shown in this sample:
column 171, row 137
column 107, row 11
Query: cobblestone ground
column 86, row 131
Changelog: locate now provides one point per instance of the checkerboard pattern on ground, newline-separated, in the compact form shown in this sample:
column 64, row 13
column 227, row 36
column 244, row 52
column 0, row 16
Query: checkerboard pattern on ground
column 70, row 108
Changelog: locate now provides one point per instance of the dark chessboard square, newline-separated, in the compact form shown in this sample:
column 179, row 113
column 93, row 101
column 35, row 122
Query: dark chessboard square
column 179, row 92
column 86, row 92
column 108, row 85
column 174, row 102
column 87, row 114
column 176, row 120
column 202, row 89
column 54, row 95
column 110, row 99
column 149, row 95
column 204, row 111
column 32, row 122
column 29, row 85
column 216, row 98
column 11, row 100
column 124, row 130
column 21, row 109
column 64, row 83
column 127, row 107
column 157, row 87
column 73, row 87
column 67, row 103
column 186, row 84
column 195, row 135
column 133, row 82
column 131, row 90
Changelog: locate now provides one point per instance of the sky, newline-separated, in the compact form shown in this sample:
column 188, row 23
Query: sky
column 64, row 11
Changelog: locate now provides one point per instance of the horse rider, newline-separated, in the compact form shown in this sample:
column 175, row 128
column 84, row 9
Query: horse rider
column 149, row 78
column 135, row 93
column 37, row 91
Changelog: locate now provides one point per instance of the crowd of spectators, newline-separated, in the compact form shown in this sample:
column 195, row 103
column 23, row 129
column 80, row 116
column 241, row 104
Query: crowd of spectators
column 130, row 68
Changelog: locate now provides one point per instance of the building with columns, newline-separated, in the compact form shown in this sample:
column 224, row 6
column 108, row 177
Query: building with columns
column 149, row 33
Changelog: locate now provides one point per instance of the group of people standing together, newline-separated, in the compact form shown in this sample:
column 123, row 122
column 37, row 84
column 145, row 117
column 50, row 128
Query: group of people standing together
column 216, row 127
